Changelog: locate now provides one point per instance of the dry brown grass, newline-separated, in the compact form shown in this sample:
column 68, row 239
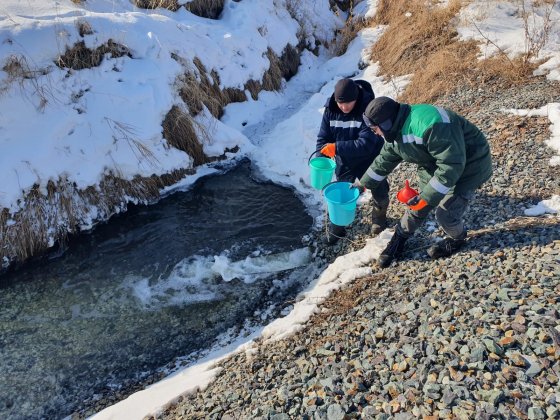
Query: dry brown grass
column 415, row 32
column 449, row 67
column 289, row 61
column 210, row 9
column 198, row 89
column 80, row 57
column 179, row 131
column 28, row 77
column 348, row 32
column 421, row 41
column 84, row 27
column 53, row 216
column 272, row 78
column 155, row 4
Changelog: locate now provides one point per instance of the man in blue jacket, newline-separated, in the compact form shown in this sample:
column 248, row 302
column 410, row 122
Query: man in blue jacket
column 344, row 136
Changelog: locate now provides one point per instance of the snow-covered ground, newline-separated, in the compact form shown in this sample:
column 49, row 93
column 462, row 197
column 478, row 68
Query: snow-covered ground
column 79, row 125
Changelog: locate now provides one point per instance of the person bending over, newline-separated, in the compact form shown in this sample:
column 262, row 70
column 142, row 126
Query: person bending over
column 453, row 158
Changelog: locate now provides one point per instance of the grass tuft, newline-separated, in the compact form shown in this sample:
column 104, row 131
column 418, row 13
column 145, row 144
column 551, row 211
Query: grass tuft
column 172, row 5
column 84, row 27
column 179, row 131
column 210, row 9
column 80, row 57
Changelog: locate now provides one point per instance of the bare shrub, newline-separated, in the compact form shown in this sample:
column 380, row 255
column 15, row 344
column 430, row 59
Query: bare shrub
column 210, row 9
column 536, row 28
column 343, row 5
column 537, row 24
column 17, row 67
column 172, row 5
column 421, row 41
column 448, row 67
column 21, row 72
column 179, row 131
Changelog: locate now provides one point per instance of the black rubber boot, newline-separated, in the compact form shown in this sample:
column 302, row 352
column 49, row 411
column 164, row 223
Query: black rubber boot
column 334, row 234
column 378, row 219
column 445, row 248
column 393, row 250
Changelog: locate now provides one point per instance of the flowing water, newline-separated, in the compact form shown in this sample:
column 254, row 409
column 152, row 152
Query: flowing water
column 153, row 284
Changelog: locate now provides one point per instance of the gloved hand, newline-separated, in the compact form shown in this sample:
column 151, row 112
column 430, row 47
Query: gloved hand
column 329, row 149
column 416, row 203
column 358, row 185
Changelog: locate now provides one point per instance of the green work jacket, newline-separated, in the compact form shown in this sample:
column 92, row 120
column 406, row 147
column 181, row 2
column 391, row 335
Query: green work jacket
column 452, row 154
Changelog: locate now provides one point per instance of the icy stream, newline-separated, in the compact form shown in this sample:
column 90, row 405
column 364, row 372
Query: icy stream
column 151, row 285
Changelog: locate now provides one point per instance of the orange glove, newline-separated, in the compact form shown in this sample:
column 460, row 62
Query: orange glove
column 329, row 149
column 416, row 203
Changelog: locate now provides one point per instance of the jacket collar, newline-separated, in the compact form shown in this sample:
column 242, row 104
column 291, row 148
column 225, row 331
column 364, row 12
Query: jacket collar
column 396, row 130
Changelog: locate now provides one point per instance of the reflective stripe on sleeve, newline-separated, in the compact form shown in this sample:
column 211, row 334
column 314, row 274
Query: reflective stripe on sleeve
column 438, row 186
column 345, row 124
column 411, row 138
column 374, row 176
column 443, row 114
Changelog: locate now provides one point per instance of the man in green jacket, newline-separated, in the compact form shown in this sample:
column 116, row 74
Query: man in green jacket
column 453, row 159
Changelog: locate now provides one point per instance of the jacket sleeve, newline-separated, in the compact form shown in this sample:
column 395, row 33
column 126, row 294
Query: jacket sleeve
column 381, row 167
column 446, row 144
column 325, row 135
column 368, row 143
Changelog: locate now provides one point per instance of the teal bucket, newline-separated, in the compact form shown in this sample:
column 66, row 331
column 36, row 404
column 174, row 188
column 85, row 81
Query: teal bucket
column 322, row 170
column 341, row 202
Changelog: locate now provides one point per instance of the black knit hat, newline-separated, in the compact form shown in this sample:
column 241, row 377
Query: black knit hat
column 345, row 90
column 381, row 112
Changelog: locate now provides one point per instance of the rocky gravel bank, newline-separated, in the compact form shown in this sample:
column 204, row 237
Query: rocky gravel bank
column 476, row 335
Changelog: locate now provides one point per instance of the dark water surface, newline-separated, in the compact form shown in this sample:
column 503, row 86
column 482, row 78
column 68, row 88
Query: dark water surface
column 155, row 283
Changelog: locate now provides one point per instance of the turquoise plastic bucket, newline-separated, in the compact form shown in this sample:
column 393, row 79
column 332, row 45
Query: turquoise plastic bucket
column 322, row 170
column 341, row 202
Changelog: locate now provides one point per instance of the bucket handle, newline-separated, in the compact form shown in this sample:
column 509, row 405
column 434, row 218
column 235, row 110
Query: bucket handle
column 316, row 151
column 326, row 185
column 334, row 182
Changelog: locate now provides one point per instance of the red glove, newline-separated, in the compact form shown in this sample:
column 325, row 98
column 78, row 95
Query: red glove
column 329, row 149
column 416, row 203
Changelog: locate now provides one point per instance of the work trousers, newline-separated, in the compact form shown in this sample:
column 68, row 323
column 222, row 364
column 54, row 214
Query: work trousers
column 449, row 215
